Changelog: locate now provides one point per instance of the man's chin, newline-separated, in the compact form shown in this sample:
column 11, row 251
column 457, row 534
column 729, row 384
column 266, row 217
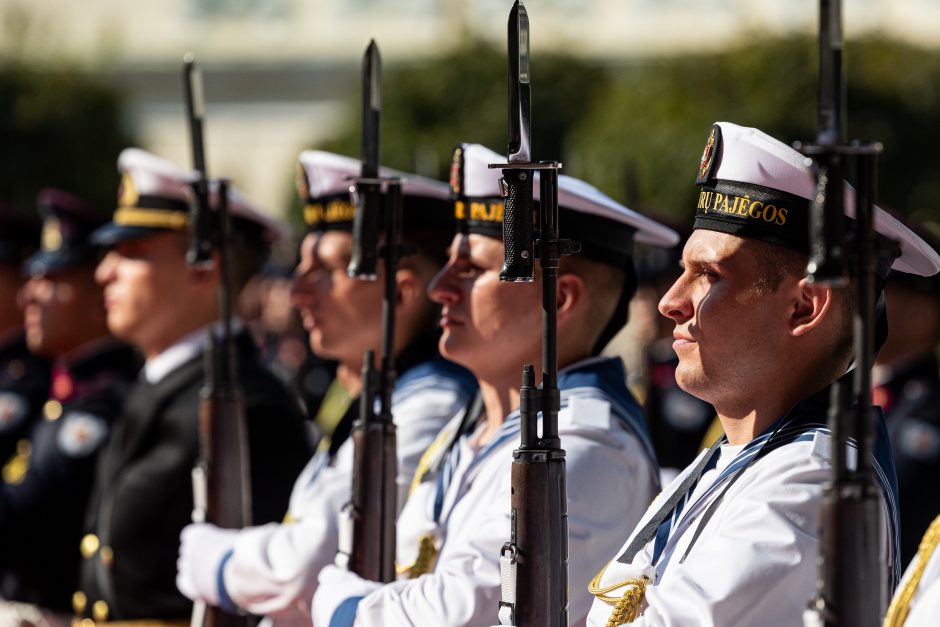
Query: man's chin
column 453, row 349
column 692, row 382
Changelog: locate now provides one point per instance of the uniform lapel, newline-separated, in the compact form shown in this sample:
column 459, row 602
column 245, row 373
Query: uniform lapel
column 145, row 403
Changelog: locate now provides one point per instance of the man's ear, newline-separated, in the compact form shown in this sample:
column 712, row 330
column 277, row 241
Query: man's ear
column 809, row 308
column 570, row 294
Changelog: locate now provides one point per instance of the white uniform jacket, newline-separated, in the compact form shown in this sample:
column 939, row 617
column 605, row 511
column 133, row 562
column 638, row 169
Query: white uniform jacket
column 273, row 568
column 611, row 476
column 753, row 562
column 923, row 608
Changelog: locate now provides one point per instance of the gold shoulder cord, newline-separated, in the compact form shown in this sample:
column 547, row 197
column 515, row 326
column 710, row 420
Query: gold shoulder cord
column 333, row 407
column 628, row 604
column 901, row 603
column 427, row 547
column 424, row 464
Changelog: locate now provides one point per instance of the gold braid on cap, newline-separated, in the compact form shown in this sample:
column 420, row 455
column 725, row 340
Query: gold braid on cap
column 901, row 603
column 626, row 607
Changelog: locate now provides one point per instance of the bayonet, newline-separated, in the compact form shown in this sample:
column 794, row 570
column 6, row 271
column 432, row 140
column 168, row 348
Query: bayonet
column 520, row 105
column 200, row 247
column 371, row 110
column 368, row 189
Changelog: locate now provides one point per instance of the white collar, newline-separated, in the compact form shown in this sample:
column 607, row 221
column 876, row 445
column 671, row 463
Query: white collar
column 187, row 347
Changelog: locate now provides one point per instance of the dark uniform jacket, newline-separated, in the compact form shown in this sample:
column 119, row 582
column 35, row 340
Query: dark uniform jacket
column 45, row 491
column 24, row 384
column 911, row 400
column 144, row 495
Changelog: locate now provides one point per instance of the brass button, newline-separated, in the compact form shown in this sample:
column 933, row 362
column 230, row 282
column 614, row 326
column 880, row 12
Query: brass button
column 52, row 410
column 99, row 611
column 107, row 556
column 89, row 546
column 85, row 622
column 79, row 602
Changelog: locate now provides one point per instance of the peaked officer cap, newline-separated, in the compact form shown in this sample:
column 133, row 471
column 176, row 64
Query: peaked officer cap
column 68, row 223
column 155, row 196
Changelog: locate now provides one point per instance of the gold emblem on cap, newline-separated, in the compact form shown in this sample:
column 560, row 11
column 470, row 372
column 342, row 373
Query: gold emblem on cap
column 300, row 180
column 455, row 170
column 51, row 235
column 127, row 193
column 708, row 155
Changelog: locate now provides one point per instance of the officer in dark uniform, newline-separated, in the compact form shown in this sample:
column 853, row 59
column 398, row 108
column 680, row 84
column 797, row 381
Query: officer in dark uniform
column 24, row 377
column 46, row 485
column 143, row 493
column 907, row 386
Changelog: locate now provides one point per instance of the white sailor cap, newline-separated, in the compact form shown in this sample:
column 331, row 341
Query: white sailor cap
column 605, row 228
column 753, row 185
column 155, row 195
column 325, row 183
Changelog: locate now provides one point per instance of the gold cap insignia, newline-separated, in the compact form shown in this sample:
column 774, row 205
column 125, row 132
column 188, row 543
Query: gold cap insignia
column 300, row 180
column 708, row 155
column 455, row 170
column 127, row 193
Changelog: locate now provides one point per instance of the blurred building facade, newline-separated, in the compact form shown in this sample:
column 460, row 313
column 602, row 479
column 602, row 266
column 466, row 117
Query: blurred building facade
column 278, row 71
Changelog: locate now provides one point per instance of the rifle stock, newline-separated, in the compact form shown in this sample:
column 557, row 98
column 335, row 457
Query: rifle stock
column 370, row 516
column 851, row 586
column 374, row 492
column 534, row 563
column 221, row 477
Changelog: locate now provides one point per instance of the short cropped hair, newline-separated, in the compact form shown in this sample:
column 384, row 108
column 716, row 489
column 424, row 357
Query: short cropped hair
column 776, row 263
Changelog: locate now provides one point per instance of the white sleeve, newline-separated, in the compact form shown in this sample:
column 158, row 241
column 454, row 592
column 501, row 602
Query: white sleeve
column 610, row 483
column 273, row 568
column 755, row 562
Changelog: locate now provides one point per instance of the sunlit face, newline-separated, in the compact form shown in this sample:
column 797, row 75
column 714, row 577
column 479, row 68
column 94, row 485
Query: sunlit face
column 62, row 311
column 147, row 286
column 727, row 332
column 488, row 325
column 342, row 314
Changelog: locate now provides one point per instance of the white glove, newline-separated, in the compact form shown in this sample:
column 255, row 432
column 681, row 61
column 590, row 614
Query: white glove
column 336, row 585
column 202, row 547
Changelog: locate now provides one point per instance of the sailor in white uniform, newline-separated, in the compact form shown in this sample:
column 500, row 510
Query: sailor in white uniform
column 271, row 570
column 455, row 522
column 733, row 539
column 916, row 602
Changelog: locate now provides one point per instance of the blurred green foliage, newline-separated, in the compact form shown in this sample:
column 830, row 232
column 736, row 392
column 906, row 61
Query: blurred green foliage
column 636, row 130
column 59, row 128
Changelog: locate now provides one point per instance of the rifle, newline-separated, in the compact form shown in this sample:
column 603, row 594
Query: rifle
column 534, row 563
column 221, row 479
column 369, row 551
column 850, row 583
